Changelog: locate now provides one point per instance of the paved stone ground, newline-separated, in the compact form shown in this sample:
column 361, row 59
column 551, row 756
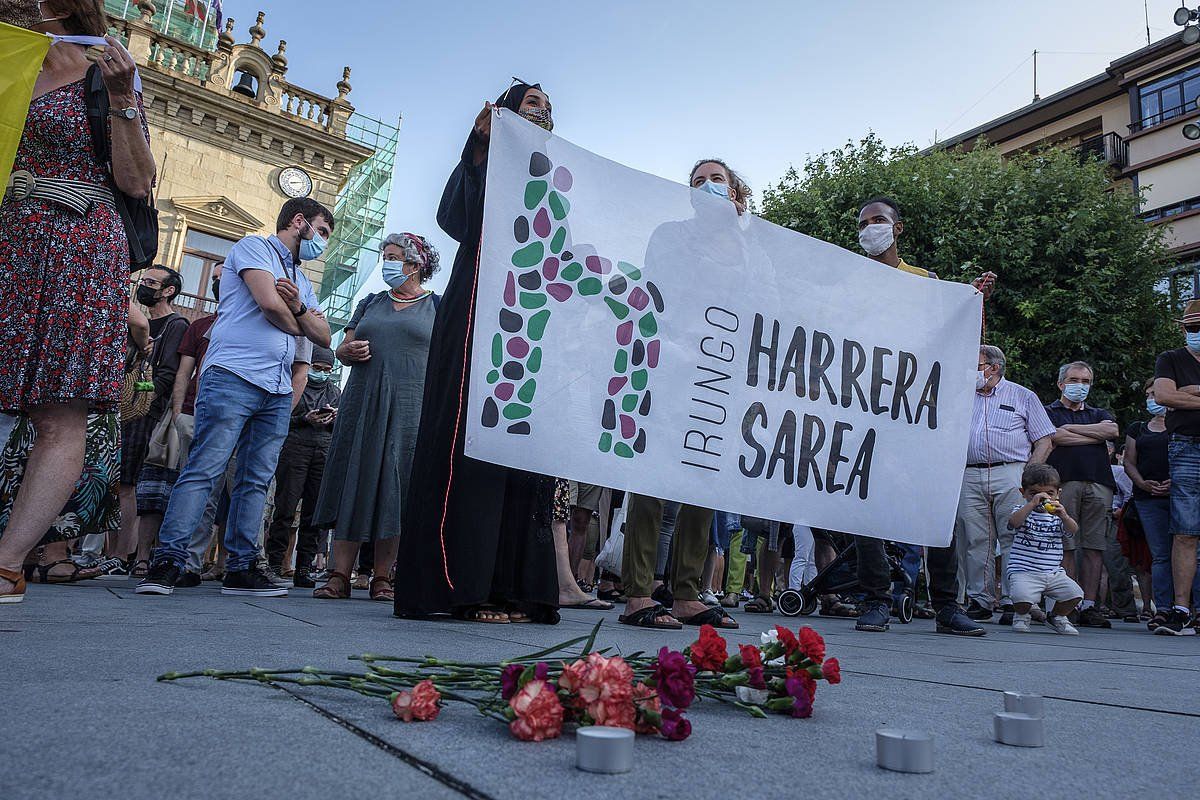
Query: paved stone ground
column 84, row 718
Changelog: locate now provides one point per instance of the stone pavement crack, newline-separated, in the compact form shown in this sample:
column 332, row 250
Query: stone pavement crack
column 114, row 594
column 420, row 765
column 280, row 613
column 1047, row 696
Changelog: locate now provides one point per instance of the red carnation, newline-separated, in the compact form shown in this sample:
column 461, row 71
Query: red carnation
column 832, row 671
column 648, row 709
column 787, row 639
column 674, row 678
column 751, row 656
column 709, row 652
column 421, row 703
column 812, row 644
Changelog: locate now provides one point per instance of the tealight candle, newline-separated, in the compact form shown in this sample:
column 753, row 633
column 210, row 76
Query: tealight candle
column 904, row 750
column 1018, row 703
column 1019, row 730
column 599, row 748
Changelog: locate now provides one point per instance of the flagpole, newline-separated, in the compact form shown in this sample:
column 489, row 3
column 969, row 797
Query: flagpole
column 167, row 19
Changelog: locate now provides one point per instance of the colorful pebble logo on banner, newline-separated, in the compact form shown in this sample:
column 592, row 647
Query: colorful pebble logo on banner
column 548, row 268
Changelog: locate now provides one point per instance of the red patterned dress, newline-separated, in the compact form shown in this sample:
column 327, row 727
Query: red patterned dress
column 64, row 278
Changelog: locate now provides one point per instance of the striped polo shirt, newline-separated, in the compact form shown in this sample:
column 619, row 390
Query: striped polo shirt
column 1005, row 424
column 1038, row 544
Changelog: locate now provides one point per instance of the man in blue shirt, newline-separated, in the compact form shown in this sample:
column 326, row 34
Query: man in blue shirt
column 245, row 395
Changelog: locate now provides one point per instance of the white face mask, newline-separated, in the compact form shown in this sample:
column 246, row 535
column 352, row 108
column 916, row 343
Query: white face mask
column 981, row 379
column 876, row 239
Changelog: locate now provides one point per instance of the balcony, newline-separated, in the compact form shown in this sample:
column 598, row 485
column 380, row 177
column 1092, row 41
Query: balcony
column 1108, row 147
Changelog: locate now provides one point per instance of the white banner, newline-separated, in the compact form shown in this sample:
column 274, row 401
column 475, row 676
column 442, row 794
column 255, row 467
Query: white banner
column 635, row 333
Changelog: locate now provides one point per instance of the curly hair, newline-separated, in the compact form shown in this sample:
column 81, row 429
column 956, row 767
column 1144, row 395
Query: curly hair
column 415, row 249
column 736, row 182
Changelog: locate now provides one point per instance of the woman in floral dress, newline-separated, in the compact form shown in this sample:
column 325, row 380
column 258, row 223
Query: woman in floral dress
column 64, row 274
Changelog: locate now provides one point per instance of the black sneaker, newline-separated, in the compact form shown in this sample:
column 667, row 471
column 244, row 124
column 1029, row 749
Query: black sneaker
column 251, row 582
column 160, row 579
column 954, row 621
column 303, row 579
column 874, row 618
column 187, row 580
column 978, row 613
column 1177, row 623
column 1093, row 617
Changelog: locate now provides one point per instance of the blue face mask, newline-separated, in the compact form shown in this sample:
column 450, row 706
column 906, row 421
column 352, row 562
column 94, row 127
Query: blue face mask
column 393, row 274
column 318, row 377
column 719, row 189
column 1193, row 341
column 312, row 248
column 1155, row 408
column 1076, row 392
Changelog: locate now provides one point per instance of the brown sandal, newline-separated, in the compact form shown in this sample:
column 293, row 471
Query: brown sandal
column 385, row 592
column 17, row 593
column 332, row 591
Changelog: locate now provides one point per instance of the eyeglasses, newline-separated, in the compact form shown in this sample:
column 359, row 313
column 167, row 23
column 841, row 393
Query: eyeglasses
column 151, row 282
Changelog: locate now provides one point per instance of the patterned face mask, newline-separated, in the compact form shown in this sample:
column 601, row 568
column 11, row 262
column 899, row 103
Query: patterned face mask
column 21, row 13
column 539, row 116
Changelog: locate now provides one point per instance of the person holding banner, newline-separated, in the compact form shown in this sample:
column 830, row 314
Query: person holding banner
column 64, row 262
column 879, row 226
column 693, row 525
column 476, row 537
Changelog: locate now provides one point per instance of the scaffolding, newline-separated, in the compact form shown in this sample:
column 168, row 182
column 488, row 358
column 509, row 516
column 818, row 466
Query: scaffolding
column 360, row 214
column 188, row 21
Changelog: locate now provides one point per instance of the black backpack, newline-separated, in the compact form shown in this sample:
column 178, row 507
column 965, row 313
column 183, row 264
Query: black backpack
column 138, row 214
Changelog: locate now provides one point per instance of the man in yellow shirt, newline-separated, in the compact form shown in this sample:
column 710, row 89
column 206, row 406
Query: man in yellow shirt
column 879, row 227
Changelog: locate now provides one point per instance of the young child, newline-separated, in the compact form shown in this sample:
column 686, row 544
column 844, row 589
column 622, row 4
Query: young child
column 1035, row 560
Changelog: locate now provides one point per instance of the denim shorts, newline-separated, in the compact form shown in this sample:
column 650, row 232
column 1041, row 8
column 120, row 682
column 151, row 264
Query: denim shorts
column 1184, row 455
column 723, row 526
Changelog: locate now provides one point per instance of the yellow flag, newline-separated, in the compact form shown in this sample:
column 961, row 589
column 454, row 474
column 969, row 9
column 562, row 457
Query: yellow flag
column 21, row 54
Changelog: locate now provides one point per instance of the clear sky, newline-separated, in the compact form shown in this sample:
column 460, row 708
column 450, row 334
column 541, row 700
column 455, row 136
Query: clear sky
column 657, row 84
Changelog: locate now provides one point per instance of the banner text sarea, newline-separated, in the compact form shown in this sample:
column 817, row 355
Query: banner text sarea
column 634, row 333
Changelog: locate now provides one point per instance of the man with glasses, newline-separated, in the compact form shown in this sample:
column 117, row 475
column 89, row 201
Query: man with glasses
column 157, row 290
column 1009, row 428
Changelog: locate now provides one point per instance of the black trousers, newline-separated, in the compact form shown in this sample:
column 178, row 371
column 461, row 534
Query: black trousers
column 875, row 578
column 297, row 480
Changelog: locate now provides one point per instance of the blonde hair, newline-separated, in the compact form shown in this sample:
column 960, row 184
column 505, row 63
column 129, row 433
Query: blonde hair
column 736, row 183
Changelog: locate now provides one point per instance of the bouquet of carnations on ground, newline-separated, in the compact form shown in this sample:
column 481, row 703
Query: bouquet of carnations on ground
column 537, row 694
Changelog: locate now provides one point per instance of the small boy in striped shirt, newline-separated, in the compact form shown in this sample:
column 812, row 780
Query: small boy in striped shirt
column 1035, row 559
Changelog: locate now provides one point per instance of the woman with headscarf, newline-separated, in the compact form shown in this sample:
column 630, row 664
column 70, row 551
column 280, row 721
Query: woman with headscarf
column 476, row 537
column 368, row 466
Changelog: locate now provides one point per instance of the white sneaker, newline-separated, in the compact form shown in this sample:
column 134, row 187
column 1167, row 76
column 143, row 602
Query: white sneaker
column 1062, row 625
column 708, row 598
column 1020, row 623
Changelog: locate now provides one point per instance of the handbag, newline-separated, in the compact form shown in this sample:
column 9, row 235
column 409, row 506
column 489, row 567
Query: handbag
column 138, row 214
column 164, row 448
column 137, row 393
column 613, row 552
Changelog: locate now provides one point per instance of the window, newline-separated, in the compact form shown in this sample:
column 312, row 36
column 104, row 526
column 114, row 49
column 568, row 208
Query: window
column 1180, row 285
column 201, row 252
column 1168, row 97
column 1183, row 206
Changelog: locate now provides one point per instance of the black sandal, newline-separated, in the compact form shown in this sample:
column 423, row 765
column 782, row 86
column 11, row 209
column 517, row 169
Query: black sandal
column 44, row 575
column 759, row 605
column 714, row 616
column 612, row 596
column 649, row 617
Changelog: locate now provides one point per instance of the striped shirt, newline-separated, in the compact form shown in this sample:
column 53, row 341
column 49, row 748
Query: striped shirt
column 1005, row 424
column 1038, row 544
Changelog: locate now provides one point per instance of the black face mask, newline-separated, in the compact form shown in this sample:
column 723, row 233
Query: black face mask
column 147, row 296
column 216, row 289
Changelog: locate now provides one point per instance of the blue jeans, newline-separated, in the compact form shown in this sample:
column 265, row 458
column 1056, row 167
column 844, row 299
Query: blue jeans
column 230, row 413
column 723, row 526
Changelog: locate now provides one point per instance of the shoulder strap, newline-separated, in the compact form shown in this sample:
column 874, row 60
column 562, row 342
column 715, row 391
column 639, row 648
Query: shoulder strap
column 96, row 99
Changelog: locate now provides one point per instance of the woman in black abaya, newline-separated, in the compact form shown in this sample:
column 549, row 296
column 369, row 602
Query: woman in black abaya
column 475, row 537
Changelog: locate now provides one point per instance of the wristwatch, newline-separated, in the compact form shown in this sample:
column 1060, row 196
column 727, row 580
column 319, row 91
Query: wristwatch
column 128, row 113
column 303, row 310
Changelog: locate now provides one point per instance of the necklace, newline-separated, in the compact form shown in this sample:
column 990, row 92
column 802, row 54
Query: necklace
column 395, row 299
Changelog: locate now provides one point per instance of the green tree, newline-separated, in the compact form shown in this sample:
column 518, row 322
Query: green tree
column 1077, row 268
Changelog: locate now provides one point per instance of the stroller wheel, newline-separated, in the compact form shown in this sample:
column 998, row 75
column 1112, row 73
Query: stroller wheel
column 905, row 609
column 792, row 602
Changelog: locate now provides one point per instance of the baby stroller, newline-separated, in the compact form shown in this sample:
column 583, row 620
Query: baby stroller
column 841, row 576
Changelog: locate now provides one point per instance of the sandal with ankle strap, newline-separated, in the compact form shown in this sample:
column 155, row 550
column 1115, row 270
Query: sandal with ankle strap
column 330, row 591
column 17, row 578
column 386, row 592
